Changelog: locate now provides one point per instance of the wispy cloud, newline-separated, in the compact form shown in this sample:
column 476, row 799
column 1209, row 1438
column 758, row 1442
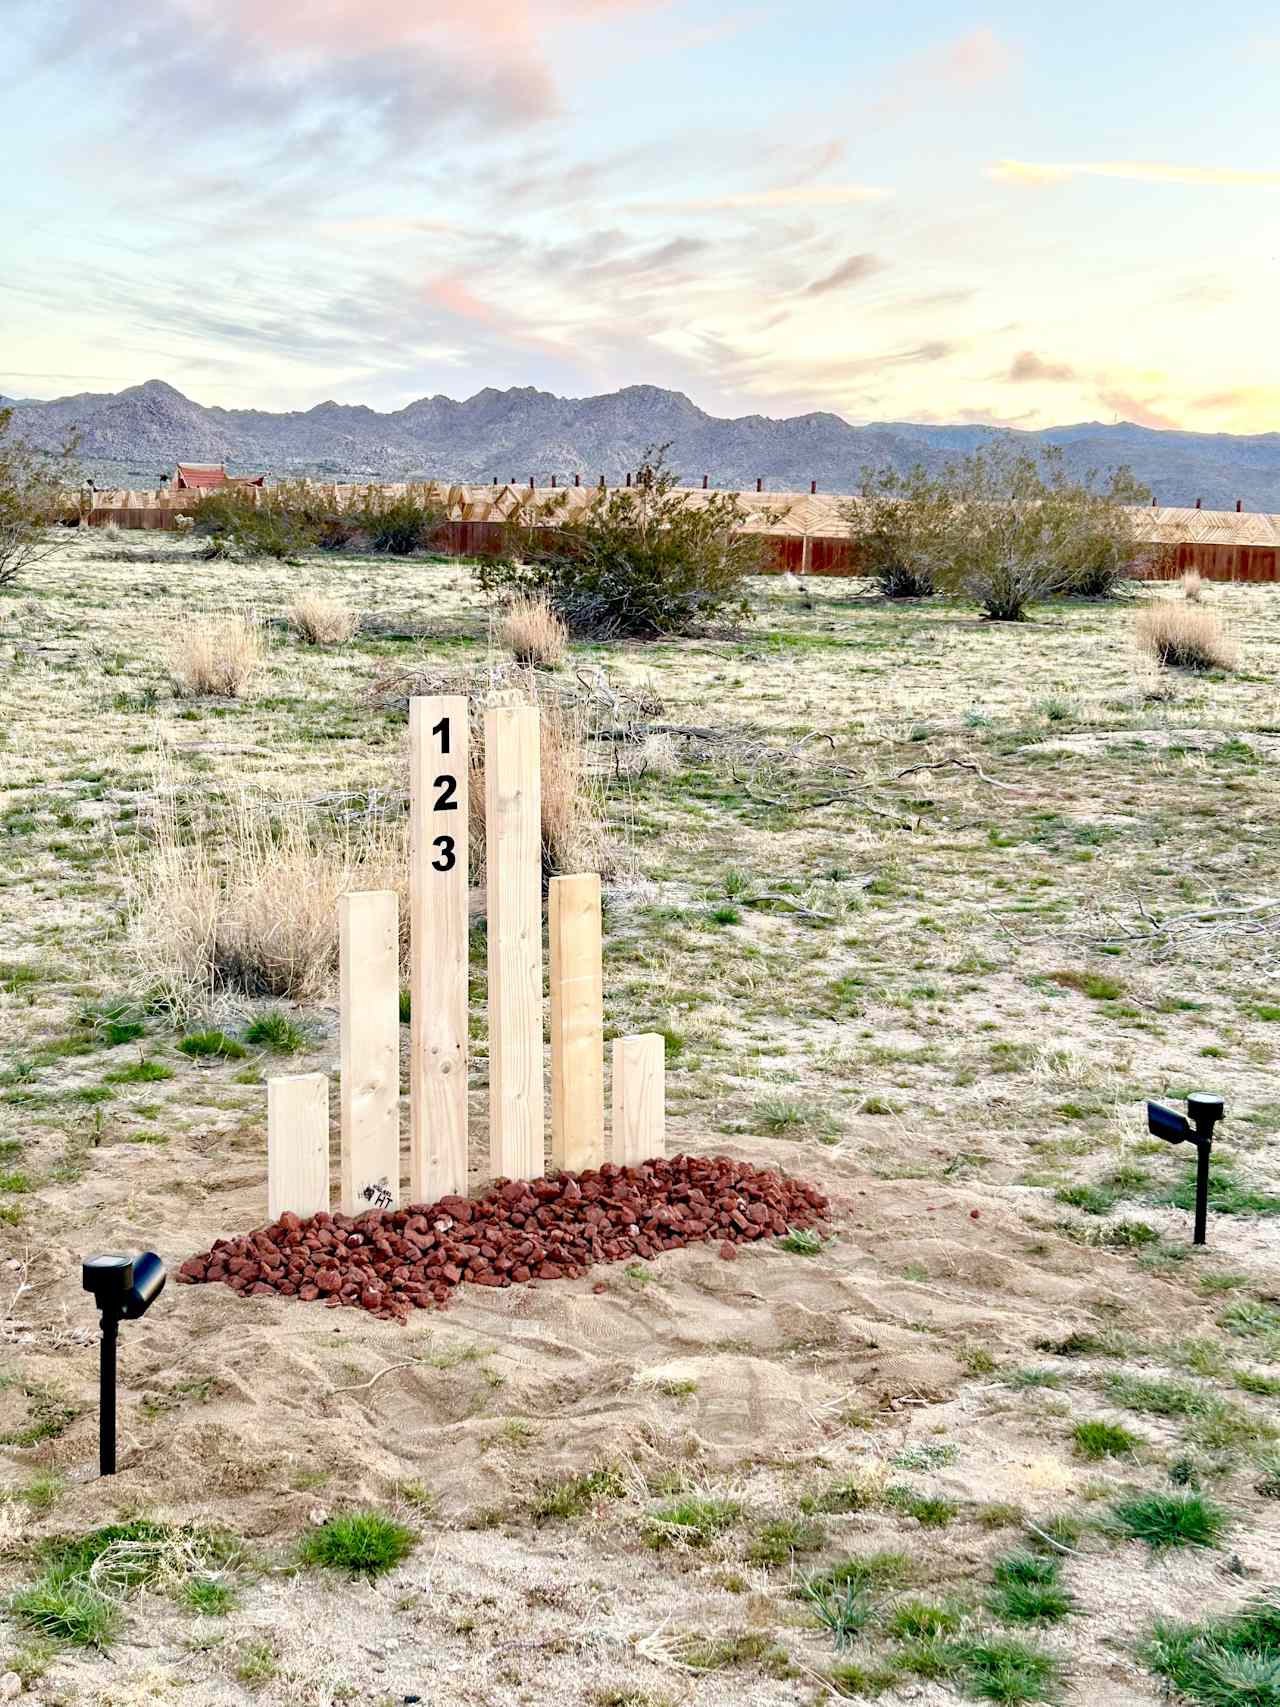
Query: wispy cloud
column 1133, row 171
column 852, row 271
column 1138, row 410
column 799, row 195
column 951, row 69
column 1027, row 365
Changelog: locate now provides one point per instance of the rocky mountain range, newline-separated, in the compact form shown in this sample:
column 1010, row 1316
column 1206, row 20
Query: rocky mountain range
column 128, row 438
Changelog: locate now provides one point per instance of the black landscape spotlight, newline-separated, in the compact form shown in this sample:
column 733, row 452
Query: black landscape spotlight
column 123, row 1288
column 1205, row 1112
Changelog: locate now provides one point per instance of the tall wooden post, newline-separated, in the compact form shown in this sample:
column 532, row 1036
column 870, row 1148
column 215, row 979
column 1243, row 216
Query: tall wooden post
column 513, row 840
column 439, row 810
column 577, row 1023
column 297, row 1144
column 369, row 976
column 639, row 1098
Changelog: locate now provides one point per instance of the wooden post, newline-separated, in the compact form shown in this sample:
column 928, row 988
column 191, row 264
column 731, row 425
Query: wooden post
column 639, row 1098
column 813, row 487
column 297, row 1144
column 369, row 975
column 704, row 482
column 759, row 485
column 439, row 810
column 577, row 1023
column 513, row 838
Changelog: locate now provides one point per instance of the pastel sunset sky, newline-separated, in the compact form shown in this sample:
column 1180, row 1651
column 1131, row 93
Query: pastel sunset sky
column 1030, row 214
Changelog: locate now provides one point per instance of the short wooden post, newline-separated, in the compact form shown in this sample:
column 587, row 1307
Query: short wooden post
column 297, row 1144
column 813, row 487
column 759, row 485
column 704, row 482
column 439, row 809
column 577, row 480
column 369, row 978
column 577, row 1023
column 639, row 1098
column 513, row 840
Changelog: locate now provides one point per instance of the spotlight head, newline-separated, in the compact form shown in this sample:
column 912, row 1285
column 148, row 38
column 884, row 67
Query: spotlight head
column 109, row 1278
column 1205, row 1109
column 1164, row 1123
column 124, row 1287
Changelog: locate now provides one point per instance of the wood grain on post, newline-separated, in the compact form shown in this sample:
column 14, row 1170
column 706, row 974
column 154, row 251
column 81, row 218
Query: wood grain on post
column 297, row 1144
column 577, row 1023
column 639, row 1098
column 513, row 854
column 369, row 975
column 439, row 803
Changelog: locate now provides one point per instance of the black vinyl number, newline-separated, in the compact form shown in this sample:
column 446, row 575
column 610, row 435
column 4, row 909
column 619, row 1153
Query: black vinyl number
column 442, row 730
column 448, row 786
column 448, row 859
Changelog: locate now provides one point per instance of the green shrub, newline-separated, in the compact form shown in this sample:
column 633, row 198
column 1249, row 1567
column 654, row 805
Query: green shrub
column 900, row 526
column 844, row 1612
column 638, row 561
column 67, row 1609
column 33, row 487
column 251, row 522
column 995, row 1668
column 399, row 524
column 1002, row 526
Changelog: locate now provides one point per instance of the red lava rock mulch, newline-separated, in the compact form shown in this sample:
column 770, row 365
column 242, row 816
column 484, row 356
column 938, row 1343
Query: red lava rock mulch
column 519, row 1230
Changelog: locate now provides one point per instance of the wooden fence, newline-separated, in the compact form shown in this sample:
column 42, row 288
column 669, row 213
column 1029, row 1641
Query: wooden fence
column 794, row 553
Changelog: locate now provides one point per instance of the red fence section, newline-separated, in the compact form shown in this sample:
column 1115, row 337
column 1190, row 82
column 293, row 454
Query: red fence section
column 795, row 554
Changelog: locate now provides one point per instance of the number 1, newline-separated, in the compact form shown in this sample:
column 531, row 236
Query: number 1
column 442, row 730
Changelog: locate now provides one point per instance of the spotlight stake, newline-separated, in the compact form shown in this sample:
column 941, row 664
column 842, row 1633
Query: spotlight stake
column 123, row 1288
column 1206, row 1110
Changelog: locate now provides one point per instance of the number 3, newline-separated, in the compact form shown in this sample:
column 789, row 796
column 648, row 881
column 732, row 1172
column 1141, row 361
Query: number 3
column 447, row 859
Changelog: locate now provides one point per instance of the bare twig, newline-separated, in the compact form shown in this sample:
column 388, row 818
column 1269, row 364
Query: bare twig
column 360, row 1386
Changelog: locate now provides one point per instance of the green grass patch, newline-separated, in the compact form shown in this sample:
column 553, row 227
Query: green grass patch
column 1029, row 1590
column 697, row 1521
column 1095, row 1438
column 1224, row 1662
column 801, row 1242
column 843, row 1612
column 361, row 1544
column 274, row 1030
column 199, row 1044
column 1185, row 1519
column 995, row 1668
column 777, row 1543
column 931, row 1511
column 138, row 1073
column 575, row 1496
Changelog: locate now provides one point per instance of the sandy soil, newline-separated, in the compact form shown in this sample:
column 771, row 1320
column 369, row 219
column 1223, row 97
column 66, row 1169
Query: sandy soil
column 764, row 1380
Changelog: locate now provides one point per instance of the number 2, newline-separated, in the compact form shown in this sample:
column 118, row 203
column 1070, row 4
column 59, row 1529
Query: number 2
column 448, row 786
column 448, row 859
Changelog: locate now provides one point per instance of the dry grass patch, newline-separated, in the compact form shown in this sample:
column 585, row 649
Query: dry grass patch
column 322, row 621
column 246, row 898
column 216, row 655
column 1192, row 585
column 1185, row 636
column 533, row 633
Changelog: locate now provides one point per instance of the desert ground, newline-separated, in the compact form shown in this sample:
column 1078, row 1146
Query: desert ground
column 926, row 907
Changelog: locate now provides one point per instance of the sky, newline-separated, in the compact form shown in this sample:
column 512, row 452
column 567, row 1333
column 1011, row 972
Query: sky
column 1025, row 215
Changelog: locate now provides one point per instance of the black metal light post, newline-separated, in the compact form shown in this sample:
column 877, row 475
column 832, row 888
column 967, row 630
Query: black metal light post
column 123, row 1288
column 1206, row 1110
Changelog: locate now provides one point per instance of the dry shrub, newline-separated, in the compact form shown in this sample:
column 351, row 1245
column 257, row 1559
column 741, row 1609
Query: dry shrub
column 216, row 654
column 1192, row 585
column 1185, row 636
column 246, row 899
column 533, row 633
column 323, row 621
column 184, row 524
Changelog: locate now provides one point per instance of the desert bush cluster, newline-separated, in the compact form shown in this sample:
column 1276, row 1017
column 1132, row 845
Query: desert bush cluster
column 1002, row 526
column 323, row 621
column 33, row 495
column 297, row 516
column 216, row 655
column 635, row 562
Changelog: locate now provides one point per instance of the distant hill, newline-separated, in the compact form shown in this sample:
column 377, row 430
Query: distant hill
column 129, row 437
